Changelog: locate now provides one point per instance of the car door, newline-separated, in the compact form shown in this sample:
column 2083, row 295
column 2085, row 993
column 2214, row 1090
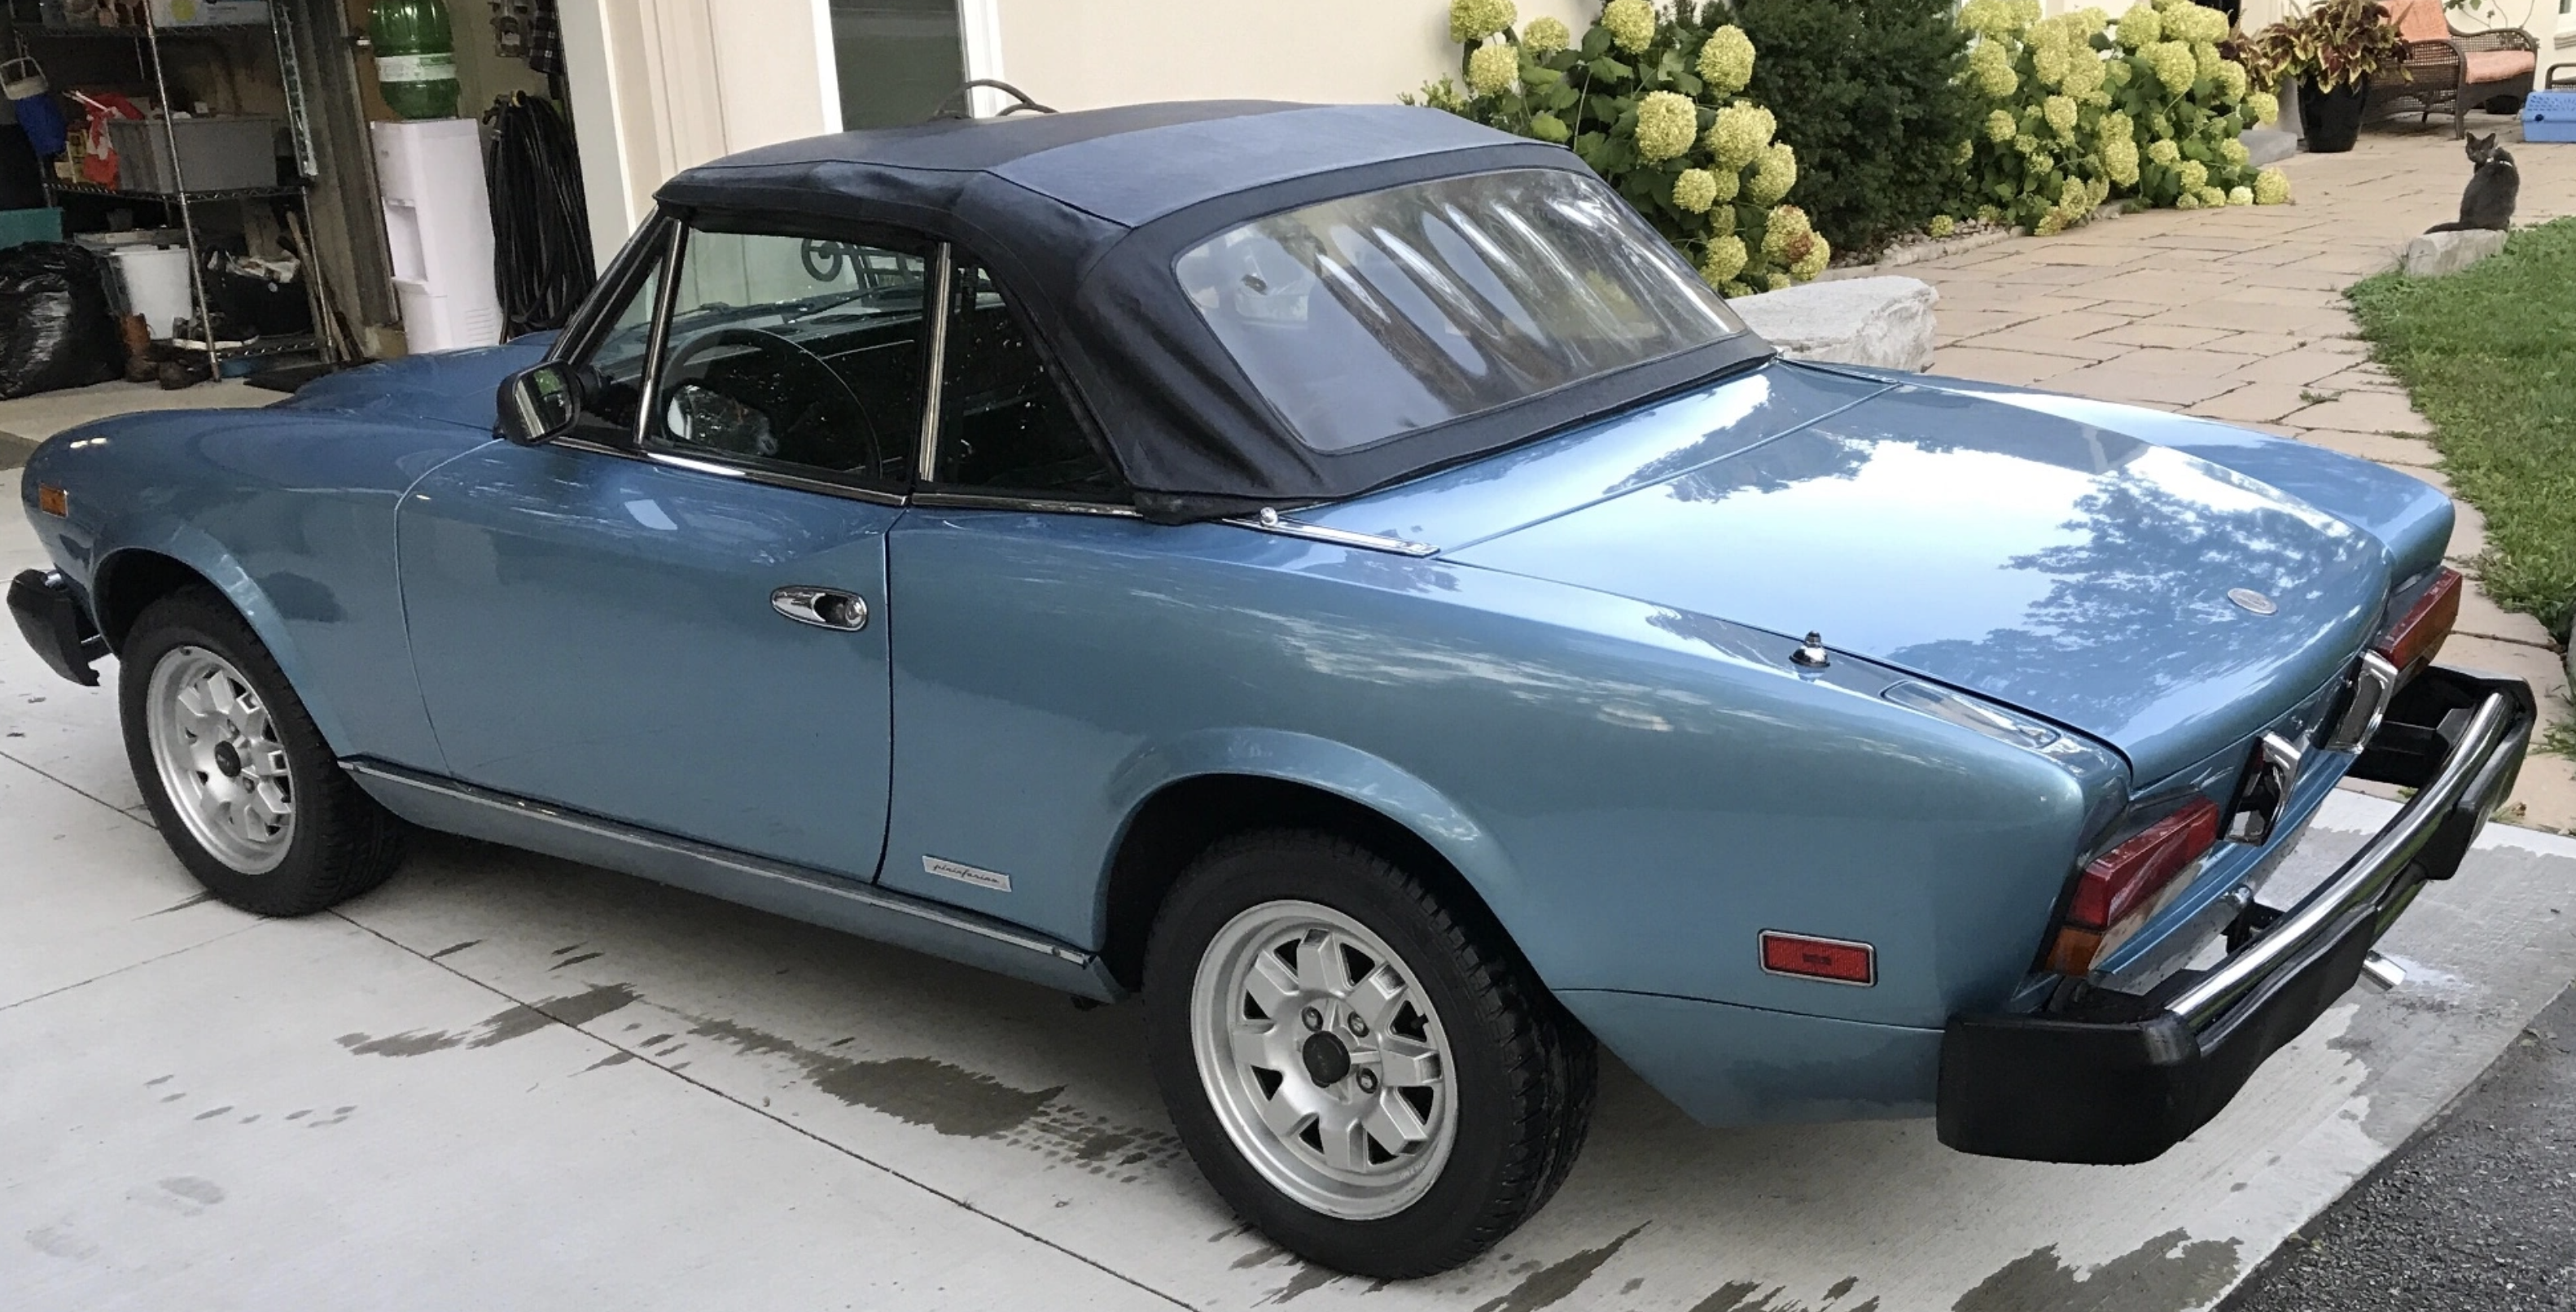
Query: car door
column 1011, row 571
column 675, row 616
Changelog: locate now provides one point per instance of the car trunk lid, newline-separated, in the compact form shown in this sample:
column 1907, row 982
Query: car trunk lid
column 2150, row 599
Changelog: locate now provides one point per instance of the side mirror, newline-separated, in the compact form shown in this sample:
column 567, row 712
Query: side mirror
column 538, row 405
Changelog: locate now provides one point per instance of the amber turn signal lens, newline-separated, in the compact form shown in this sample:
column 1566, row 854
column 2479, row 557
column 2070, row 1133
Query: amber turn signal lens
column 2419, row 633
column 53, row 500
column 1838, row 960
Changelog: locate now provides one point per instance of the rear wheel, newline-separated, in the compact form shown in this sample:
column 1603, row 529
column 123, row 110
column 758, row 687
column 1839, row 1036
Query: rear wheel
column 244, row 790
column 1370, row 1076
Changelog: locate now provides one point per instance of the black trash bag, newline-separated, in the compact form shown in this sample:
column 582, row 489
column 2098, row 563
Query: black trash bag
column 55, row 328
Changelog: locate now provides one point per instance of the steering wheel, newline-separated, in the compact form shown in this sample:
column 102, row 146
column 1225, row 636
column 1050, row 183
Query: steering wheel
column 779, row 395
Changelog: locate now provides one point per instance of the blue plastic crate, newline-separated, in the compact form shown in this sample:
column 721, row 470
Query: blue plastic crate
column 2549, row 116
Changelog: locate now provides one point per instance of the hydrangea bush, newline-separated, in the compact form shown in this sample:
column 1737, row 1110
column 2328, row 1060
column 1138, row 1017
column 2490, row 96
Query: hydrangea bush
column 2080, row 107
column 1652, row 105
column 2049, row 146
column 2188, row 103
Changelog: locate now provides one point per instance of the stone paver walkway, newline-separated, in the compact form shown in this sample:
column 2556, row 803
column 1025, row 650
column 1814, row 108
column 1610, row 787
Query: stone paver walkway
column 2239, row 315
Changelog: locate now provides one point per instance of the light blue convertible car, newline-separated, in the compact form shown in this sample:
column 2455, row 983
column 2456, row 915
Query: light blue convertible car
column 1334, row 572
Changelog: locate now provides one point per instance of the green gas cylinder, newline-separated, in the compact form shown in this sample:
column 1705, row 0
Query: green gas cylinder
column 415, row 57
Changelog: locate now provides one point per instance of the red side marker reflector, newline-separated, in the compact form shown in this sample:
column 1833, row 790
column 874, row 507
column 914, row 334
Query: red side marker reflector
column 1806, row 957
column 53, row 500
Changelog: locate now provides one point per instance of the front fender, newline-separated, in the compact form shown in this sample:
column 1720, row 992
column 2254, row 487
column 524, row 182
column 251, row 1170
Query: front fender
column 198, row 551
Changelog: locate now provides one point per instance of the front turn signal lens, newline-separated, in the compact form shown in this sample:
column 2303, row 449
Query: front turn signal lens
column 53, row 500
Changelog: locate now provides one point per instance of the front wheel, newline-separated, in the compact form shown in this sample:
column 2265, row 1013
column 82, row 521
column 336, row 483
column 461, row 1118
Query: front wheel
column 245, row 791
column 1371, row 1076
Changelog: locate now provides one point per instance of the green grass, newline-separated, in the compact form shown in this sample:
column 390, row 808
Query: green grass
column 2490, row 356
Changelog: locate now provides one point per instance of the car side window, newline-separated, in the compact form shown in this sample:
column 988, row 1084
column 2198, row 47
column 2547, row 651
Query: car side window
column 1005, row 426
column 794, row 355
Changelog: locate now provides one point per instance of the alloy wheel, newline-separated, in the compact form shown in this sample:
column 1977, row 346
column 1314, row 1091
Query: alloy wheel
column 1324, row 1059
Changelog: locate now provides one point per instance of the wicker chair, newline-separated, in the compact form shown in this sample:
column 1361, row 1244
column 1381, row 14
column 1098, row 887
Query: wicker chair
column 2442, row 67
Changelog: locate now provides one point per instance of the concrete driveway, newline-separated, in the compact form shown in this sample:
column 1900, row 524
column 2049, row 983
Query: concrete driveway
column 506, row 1081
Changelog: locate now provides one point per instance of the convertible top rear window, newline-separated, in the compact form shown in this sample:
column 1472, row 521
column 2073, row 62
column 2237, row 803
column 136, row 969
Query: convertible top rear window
column 1368, row 316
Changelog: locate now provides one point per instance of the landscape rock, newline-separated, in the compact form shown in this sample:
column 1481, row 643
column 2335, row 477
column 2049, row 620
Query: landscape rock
column 1882, row 322
column 2438, row 253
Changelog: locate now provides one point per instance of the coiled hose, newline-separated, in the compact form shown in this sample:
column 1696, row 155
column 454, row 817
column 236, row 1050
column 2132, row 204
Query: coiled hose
column 540, row 224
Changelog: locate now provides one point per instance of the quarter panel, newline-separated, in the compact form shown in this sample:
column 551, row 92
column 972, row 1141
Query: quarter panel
column 1665, row 785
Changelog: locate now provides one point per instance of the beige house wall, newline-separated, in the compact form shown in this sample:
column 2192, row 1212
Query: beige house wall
column 660, row 85
column 1080, row 54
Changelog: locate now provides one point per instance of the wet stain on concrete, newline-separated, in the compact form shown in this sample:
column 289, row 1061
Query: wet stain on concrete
column 949, row 1099
column 574, row 1009
column 59, row 1241
column 206, row 1192
column 612, row 1059
column 2165, row 1274
column 1733, row 1296
column 180, row 905
column 1263, row 1255
column 1308, row 1279
column 946, row 1098
column 453, row 948
column 575, row 961
column 1101, row 1145
column 210, row 1115
column 1841, row 1287
column 1554, row 1282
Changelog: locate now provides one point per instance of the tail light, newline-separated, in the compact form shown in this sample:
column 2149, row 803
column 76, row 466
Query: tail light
column 2419, row 633
column 2121, row 888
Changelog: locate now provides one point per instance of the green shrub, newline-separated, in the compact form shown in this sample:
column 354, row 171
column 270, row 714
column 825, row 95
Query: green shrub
column 2187, row 102
column 1867, row 92
column 2048, row 146
column 1651, row 104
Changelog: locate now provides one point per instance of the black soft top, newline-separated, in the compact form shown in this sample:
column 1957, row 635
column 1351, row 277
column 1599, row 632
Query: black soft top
column 1080, row 217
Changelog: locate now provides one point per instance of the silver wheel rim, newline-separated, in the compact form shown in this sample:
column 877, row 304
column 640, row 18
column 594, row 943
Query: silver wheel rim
column 219, row 759
column 1367, row 1144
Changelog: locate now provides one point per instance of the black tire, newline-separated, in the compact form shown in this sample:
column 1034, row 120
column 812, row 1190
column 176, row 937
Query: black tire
column 343, row 843
column 1523, row 1070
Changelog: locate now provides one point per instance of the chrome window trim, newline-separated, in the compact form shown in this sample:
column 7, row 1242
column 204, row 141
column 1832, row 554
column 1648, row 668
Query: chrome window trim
column 659, row 340
column 1033, row 505
column 590, row 324
column 1271, row 521
column 935, row 301
column 768, row 478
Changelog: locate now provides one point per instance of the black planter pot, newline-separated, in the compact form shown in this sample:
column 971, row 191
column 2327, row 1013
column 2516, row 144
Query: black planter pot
column 2332, row 119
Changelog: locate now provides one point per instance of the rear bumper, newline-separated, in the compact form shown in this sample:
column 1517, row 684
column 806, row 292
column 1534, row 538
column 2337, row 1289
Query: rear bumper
column 2119, row 1078
column 53, row 622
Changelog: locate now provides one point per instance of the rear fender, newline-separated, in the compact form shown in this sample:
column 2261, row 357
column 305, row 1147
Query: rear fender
column 1329, row 767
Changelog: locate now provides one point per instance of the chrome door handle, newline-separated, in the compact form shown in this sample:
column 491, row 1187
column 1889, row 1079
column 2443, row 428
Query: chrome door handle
column 824, row 608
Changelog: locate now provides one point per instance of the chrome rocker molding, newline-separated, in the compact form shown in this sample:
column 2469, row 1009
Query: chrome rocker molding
column 1271, row 521
column 2111, row 1078
column 812, row 896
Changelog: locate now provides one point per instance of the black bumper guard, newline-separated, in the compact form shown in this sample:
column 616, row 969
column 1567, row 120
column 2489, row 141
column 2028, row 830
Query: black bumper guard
column 2117, row 1078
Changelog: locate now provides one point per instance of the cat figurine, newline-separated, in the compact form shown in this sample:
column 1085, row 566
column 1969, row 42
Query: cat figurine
column 2493, row 184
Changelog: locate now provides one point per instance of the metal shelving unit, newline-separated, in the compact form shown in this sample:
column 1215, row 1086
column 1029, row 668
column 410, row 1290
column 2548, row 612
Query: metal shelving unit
column 183, row 202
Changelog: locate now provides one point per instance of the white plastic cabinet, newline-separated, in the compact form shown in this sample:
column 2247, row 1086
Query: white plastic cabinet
column 438, row 220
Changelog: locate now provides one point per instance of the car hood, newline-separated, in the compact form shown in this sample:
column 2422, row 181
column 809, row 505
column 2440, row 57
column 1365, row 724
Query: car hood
column 2071, row 571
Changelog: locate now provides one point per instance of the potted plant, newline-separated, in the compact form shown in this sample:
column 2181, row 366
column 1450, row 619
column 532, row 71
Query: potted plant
column 2333, row 50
